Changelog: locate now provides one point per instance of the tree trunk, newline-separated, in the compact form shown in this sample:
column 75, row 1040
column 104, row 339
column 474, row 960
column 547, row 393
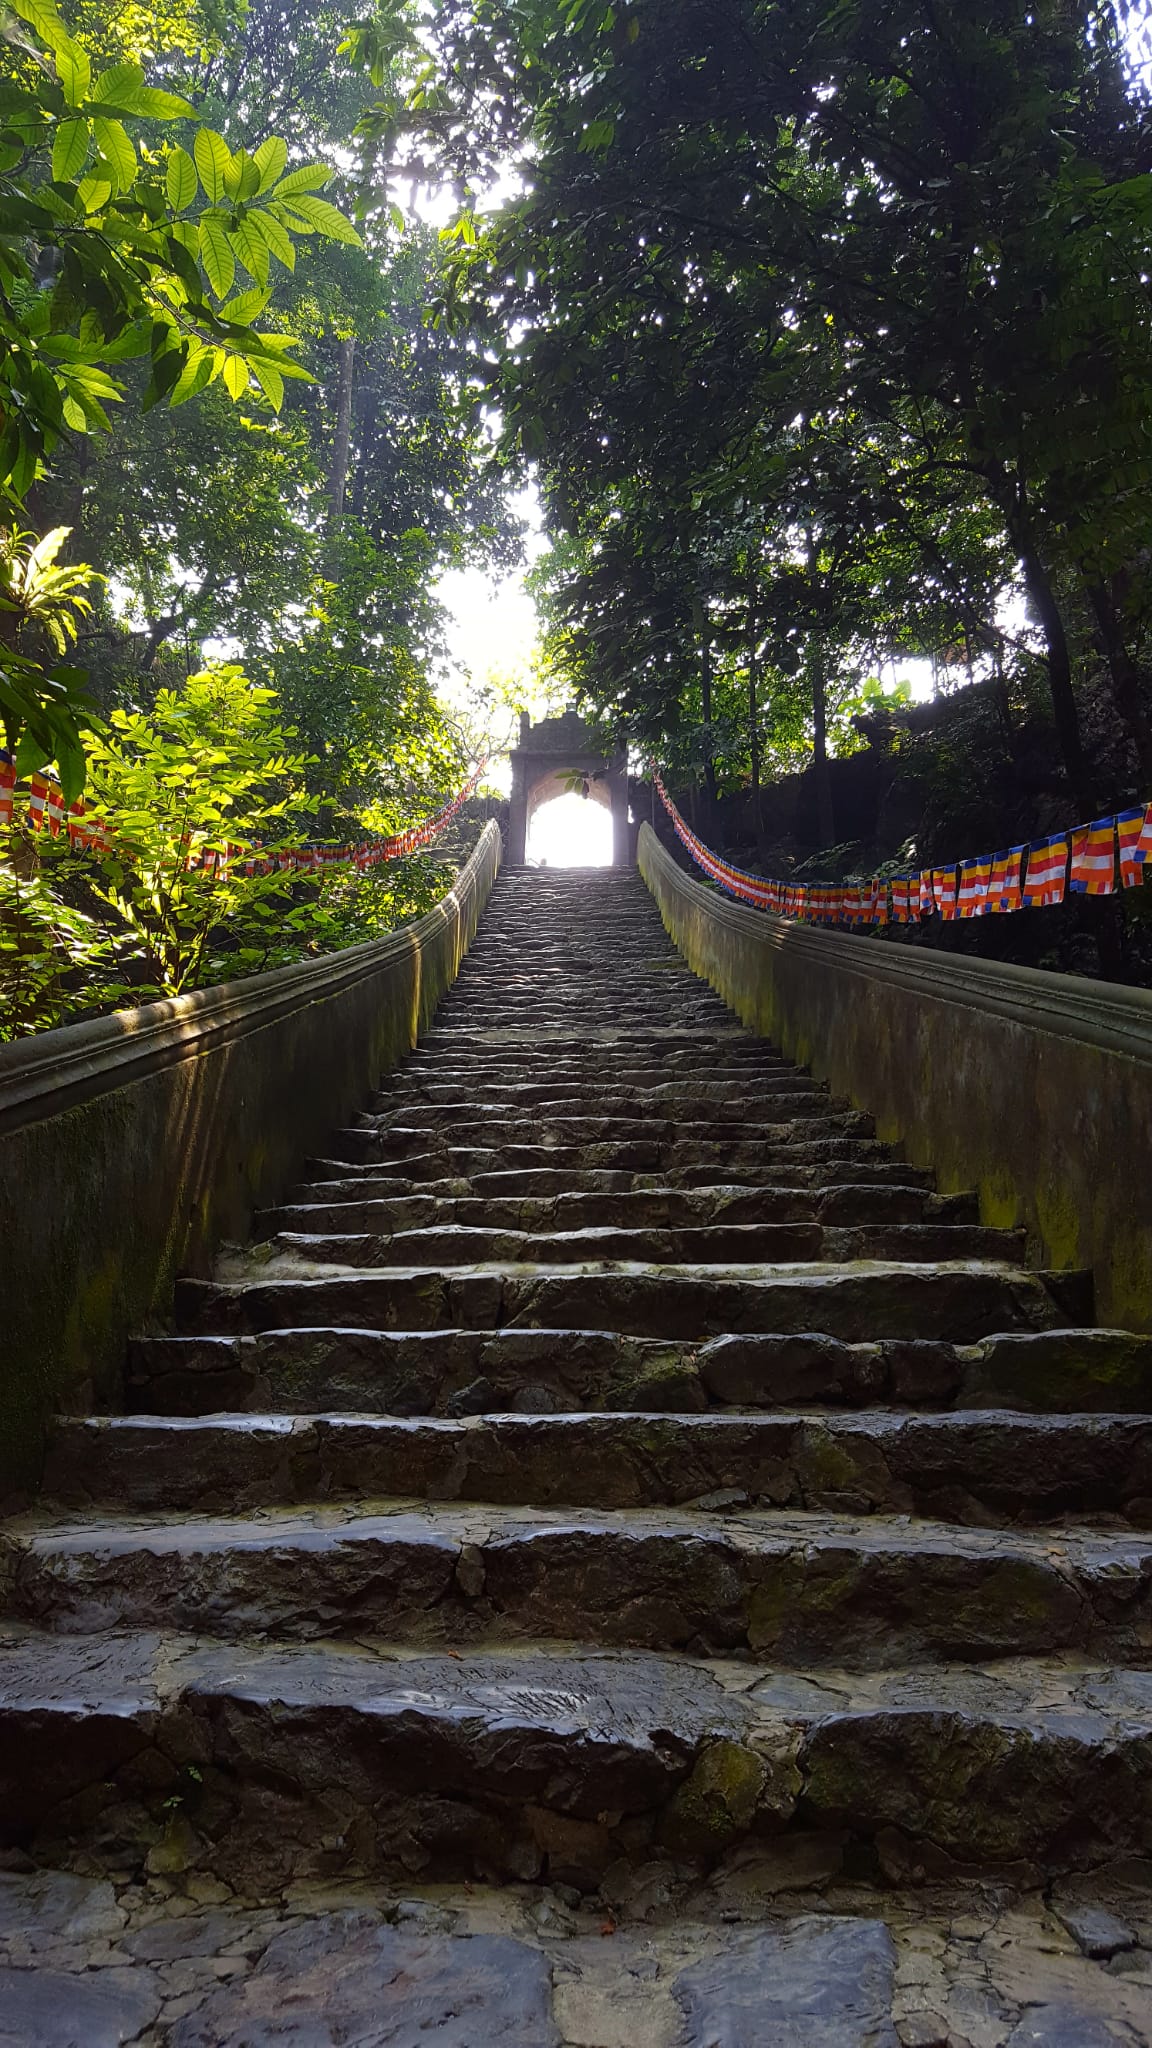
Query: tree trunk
column 1012, row 496
column 342, row 439
column 825, row 819
column 1124, row 675
column 366, row 438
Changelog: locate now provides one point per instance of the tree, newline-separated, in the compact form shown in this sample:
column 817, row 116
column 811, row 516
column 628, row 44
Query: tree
column 111, row 247
column 958, row 198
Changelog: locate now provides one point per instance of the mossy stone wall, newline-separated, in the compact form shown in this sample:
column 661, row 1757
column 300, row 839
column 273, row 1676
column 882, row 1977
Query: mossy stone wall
column 1033, row 1088
column 133, row 1173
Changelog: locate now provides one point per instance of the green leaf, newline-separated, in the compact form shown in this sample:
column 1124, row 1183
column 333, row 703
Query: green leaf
column 70, row 151
column 195, row 375
column 116, row 148
column 241, row 178
column 74, row 71
column 309, row 178
column 236, row 379
column 216, row 255
column 270, row 381
column 279, row 241
column 252, row 249
column 327, row 220
column 246, row 307
column 270, row 160
column 118, row 87
column 94, row 193
column 181, row 180
column 213, row 160
column 295, row 221
column 162, row 106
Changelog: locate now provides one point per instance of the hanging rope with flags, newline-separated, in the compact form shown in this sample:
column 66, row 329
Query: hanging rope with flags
column 44, row 811
column 1025, row 877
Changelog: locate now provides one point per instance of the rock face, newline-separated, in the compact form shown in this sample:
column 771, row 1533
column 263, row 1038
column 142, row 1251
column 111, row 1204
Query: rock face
column 611, row 1459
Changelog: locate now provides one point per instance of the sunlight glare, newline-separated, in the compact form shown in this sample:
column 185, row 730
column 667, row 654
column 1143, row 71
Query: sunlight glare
column 570, row 832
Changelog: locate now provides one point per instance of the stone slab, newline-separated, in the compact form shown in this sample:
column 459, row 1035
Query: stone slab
column 816, row 1983
column 58, row 2009
column 348, row 1981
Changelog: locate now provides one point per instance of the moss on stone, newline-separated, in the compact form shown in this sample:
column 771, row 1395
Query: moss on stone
column 718, row 1802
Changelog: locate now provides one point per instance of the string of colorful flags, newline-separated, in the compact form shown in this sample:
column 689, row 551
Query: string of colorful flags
column 88, row 832
column 1084, row 861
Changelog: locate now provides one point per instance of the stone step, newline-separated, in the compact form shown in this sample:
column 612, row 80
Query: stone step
column 631, row 1208
column 689, row 1097
column 734, row 1054
column 806, row 1589
column 379, row 1142
column 535, row 1169
column 464, row 1244
column 268, row 1764
column 983, row 1467
column 958, row 1302
column 599, row 1107
column 475, row 1015
column 473, row 1372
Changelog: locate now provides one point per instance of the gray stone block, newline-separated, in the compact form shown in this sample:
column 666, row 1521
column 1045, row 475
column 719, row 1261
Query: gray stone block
column 814, row 1983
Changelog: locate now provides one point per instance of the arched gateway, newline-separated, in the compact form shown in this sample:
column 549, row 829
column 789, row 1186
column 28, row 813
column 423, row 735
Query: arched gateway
column 543, row 766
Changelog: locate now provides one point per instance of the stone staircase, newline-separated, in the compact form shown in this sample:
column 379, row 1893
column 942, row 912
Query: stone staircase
column 615, row 1492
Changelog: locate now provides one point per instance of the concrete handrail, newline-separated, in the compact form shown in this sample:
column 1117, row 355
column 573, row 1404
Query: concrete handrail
column 1033, row 1088
column 131, row 1146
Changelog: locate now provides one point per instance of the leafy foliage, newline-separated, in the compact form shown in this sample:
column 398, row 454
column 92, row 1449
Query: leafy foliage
column 835, row 317
column 112, row 247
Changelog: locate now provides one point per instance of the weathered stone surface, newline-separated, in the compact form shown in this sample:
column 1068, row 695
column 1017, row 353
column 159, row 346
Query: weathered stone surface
column 814, row 1984
column 47, row 1907
column 1099, row 1934
column 350, row 1982
column 1069, row 2026
column 792, row 1586
column 51, row 2009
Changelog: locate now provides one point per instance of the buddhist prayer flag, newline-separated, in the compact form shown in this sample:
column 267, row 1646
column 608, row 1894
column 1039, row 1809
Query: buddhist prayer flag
column 990, row 883
column 54, row 808
column 1093, row 871
column 7, row 792
column 1004, row 892
column 1047, row 863
column 879, row 901
column 972, row 900
column 37, row 798
column 944, row 892
column 1135, row 831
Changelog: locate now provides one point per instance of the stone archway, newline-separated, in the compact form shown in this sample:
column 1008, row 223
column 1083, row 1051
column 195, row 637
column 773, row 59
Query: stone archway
column 543, row 765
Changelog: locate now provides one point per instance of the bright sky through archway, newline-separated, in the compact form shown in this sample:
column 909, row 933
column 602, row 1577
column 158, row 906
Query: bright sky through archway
column 570, row 832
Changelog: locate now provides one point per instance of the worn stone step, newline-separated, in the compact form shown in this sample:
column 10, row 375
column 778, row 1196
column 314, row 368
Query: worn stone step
column 424, row 1373
column 957, row 1302
column 983, row 1467
column 806, row 1589
column 626, row 1207
column 463, row 1244
column 635, row 1111
column 688, row 1142
column 596, row 1094
column 540, row 1371
column 718, row 1056
column 287, row 1762
column 833, row 1163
